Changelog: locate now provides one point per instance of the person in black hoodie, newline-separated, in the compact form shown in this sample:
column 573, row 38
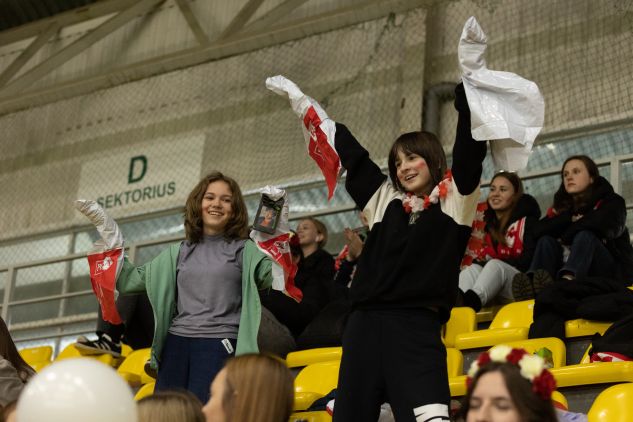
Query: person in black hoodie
column 406, row 277
column 505, row 245
column 315, row 278
column 583, row 234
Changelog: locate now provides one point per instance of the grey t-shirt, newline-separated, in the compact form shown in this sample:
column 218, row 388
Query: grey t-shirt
column 209, row 287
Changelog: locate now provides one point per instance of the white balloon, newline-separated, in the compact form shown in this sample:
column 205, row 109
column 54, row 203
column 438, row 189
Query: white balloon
column 77, row 390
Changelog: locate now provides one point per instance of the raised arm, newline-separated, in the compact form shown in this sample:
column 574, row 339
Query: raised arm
column 468, row 154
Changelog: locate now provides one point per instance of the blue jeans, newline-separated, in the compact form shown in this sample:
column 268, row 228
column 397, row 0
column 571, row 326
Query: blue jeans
column 588, row 256
column 191, row 364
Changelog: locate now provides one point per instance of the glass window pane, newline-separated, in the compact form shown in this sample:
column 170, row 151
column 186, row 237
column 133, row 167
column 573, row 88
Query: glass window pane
column 13, row 253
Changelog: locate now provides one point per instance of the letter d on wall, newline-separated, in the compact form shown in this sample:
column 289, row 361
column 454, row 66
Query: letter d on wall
column 134, row 175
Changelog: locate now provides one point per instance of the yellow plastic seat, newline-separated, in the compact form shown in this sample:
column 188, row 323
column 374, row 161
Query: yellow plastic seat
column 315, row 381
column 615, row 404
column 310, row 356
column 584, row 327
column 38, row 366
column 555, row 345
column 132, row 368
column 144, row 391
column 462, row 320
column 457, row 385
column 560, row 399
column 37, row 355
column 72, row 352
column 593, row 373
column 511, row 323
column 488, row 313
column 454, row 362
column 311, row 417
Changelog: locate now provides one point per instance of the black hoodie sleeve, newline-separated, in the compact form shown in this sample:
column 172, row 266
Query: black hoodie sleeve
column 363, row 175
column 553, row 226
column 468, row 154
column 607, row 221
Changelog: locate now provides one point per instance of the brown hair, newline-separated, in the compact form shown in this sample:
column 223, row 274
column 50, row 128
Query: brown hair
column 424, row 144
column 529, row 405
column 170, row 406
column 321, row 229
column 495, row 226
column 259, row 388
column 564, row 201
column 10, row 353
column 236, row 227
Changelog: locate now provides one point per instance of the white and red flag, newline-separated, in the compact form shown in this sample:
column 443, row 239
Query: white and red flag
column 277, row 247
column 318, row 128
column 105, row 259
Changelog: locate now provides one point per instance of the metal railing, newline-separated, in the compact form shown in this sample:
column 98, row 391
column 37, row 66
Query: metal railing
column 10, row 272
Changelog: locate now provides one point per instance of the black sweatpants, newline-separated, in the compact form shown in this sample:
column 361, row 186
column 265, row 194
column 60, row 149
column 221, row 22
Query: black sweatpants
column 393, row 356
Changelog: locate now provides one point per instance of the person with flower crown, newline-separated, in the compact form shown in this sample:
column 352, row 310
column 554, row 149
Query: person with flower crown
column 405, row 282
column 506, row 384
column 502, row 242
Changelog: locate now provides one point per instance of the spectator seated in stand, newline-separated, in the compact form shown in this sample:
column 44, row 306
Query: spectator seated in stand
column 137, row 331
column 14, row 371
column 284, row 319
column 501, row 244
column 251, row 388
column 583, row 234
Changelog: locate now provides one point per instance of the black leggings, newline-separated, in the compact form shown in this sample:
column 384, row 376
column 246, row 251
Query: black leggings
column 394, row 356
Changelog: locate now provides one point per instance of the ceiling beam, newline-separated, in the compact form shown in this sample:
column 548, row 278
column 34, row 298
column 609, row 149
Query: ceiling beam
column 193, row 23
column 29, row 52
column 241, row 43
column 274, row 15
column 71, row 17
column 240, row 19
column 76, row 47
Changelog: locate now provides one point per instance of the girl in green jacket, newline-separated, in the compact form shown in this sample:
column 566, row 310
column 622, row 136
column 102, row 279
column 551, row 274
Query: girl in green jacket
column 203, row 291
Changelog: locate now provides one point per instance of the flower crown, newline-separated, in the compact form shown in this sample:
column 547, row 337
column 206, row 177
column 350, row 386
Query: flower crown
column 532, row 368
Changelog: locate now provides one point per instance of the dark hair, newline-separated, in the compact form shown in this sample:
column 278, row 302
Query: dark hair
column 564, row 201
column 236, row 227
column 529, row 405
column 424, row 144
column 166, row 406
column 495, row 226
column 10, row 353
column 321, row 229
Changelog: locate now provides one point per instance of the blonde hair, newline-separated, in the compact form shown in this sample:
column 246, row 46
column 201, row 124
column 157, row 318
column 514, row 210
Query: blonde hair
column 259, row 388
column 170, row 406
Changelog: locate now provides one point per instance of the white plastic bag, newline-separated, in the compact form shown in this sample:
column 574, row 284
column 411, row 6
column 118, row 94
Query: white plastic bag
column 504, row 106
column 318, row 128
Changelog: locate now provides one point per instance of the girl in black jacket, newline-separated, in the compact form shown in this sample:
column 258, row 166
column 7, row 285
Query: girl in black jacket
column 584, row 232
column 505, row 245
column 406, row 278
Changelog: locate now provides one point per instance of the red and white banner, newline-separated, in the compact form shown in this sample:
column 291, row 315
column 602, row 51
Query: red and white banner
column 318, row 129
column 103, row 273
column 106, row 258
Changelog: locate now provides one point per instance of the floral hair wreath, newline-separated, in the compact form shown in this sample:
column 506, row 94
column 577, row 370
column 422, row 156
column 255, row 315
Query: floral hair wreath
column 531, row 367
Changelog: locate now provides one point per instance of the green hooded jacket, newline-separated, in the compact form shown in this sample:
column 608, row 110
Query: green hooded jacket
column 158, row 278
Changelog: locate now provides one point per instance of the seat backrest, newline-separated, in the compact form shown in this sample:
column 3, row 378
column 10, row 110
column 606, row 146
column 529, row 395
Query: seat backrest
column 462, row 320
column 35, row 355
column 133, row 367
column 72, row 352
column 513, row 315
column 555, row 345
column 613, row 404
column 454, row 362
column 319, row 378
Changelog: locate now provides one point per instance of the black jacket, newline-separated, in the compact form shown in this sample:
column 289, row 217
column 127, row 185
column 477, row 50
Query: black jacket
column 605, row 216
column 315, row 278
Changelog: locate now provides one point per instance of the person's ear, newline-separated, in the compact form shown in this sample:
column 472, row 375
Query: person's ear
column 319, row 238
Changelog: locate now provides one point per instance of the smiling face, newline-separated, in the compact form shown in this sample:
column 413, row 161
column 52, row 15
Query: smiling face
column 502, row 194
column 413, row 173
column 216, row 208
column 491, row 402
column 576, row 177
column 308, row 233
